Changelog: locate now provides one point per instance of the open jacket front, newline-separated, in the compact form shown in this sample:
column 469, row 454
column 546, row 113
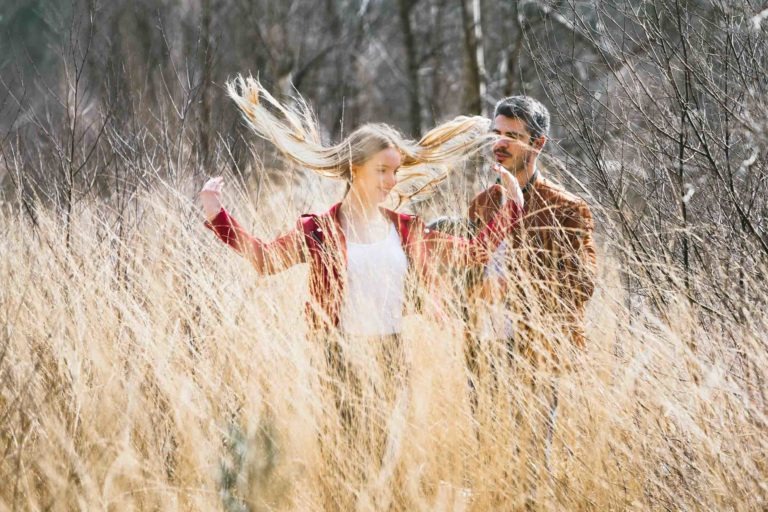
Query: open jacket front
column 319, row 241
column 552, row 263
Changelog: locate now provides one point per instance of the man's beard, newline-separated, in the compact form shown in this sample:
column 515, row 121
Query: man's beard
column 515, row 165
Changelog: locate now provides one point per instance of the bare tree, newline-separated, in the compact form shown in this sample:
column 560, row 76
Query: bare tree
column 412, row 65
column 474, row 55
column 657, row 114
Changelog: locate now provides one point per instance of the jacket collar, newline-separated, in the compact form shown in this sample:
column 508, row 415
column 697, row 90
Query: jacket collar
column 402, row 222
column 532, row 181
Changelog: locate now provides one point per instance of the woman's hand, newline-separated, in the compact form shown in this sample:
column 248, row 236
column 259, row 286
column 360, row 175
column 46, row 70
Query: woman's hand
column 210, row 197
column 510, row 184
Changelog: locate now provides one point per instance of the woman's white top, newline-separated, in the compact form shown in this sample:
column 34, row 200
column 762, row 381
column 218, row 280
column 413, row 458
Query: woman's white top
column 375, row 288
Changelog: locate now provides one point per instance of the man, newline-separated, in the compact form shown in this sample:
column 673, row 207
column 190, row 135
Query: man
column 541, row 277
column 545, row 270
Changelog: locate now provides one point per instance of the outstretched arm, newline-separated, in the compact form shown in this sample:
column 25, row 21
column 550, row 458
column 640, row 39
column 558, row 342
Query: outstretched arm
column 267, row 258
column 477, row 251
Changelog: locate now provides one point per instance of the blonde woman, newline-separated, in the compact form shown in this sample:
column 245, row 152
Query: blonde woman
column 359, row 252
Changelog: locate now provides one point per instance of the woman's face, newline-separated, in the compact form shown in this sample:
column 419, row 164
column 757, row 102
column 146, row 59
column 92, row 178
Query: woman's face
column 373, row 180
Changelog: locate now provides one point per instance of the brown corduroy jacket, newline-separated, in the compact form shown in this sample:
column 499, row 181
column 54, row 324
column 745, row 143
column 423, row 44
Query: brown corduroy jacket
column 550, row 260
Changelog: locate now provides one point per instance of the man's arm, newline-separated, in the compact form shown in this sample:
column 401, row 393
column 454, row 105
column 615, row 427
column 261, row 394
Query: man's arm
column 578, row 261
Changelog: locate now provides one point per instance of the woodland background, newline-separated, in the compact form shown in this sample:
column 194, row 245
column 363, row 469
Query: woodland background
column 113, row 113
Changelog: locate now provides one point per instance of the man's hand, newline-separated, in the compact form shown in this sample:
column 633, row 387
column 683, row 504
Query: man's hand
column 510, row 184
column 210, row 197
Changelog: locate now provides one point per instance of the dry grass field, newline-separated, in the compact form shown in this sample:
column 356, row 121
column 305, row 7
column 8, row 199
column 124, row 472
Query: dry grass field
column 150, row 368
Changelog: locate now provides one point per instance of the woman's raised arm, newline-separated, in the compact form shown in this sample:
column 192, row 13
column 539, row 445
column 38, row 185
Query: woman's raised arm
column 267, row 258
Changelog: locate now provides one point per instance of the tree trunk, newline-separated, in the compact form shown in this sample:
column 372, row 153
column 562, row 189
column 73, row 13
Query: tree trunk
column 474, row 56
column 205, row 100
column 435, row 106
column 414, row 103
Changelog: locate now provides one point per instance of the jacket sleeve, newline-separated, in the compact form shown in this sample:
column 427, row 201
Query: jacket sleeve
column 267, row 257
column 578, row 261
column 460, row 251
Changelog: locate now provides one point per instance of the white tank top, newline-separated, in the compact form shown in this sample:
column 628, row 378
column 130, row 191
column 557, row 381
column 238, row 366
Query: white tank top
column 375, row 288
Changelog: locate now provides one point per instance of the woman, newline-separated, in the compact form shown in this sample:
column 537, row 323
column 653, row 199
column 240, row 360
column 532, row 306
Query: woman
column 358, row 252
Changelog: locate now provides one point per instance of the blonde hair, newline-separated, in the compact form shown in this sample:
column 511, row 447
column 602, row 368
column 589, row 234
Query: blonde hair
column 293, row 131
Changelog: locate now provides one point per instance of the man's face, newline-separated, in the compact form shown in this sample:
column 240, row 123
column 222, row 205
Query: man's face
column 514, row 148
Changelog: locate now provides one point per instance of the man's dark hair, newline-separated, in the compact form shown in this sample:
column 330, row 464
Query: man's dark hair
column 531, row 111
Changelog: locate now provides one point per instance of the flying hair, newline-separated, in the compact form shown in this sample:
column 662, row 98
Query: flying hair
column 293, row 130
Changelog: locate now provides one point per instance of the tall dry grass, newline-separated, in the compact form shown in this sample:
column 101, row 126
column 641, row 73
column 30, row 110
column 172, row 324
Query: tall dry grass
column 151, row 369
